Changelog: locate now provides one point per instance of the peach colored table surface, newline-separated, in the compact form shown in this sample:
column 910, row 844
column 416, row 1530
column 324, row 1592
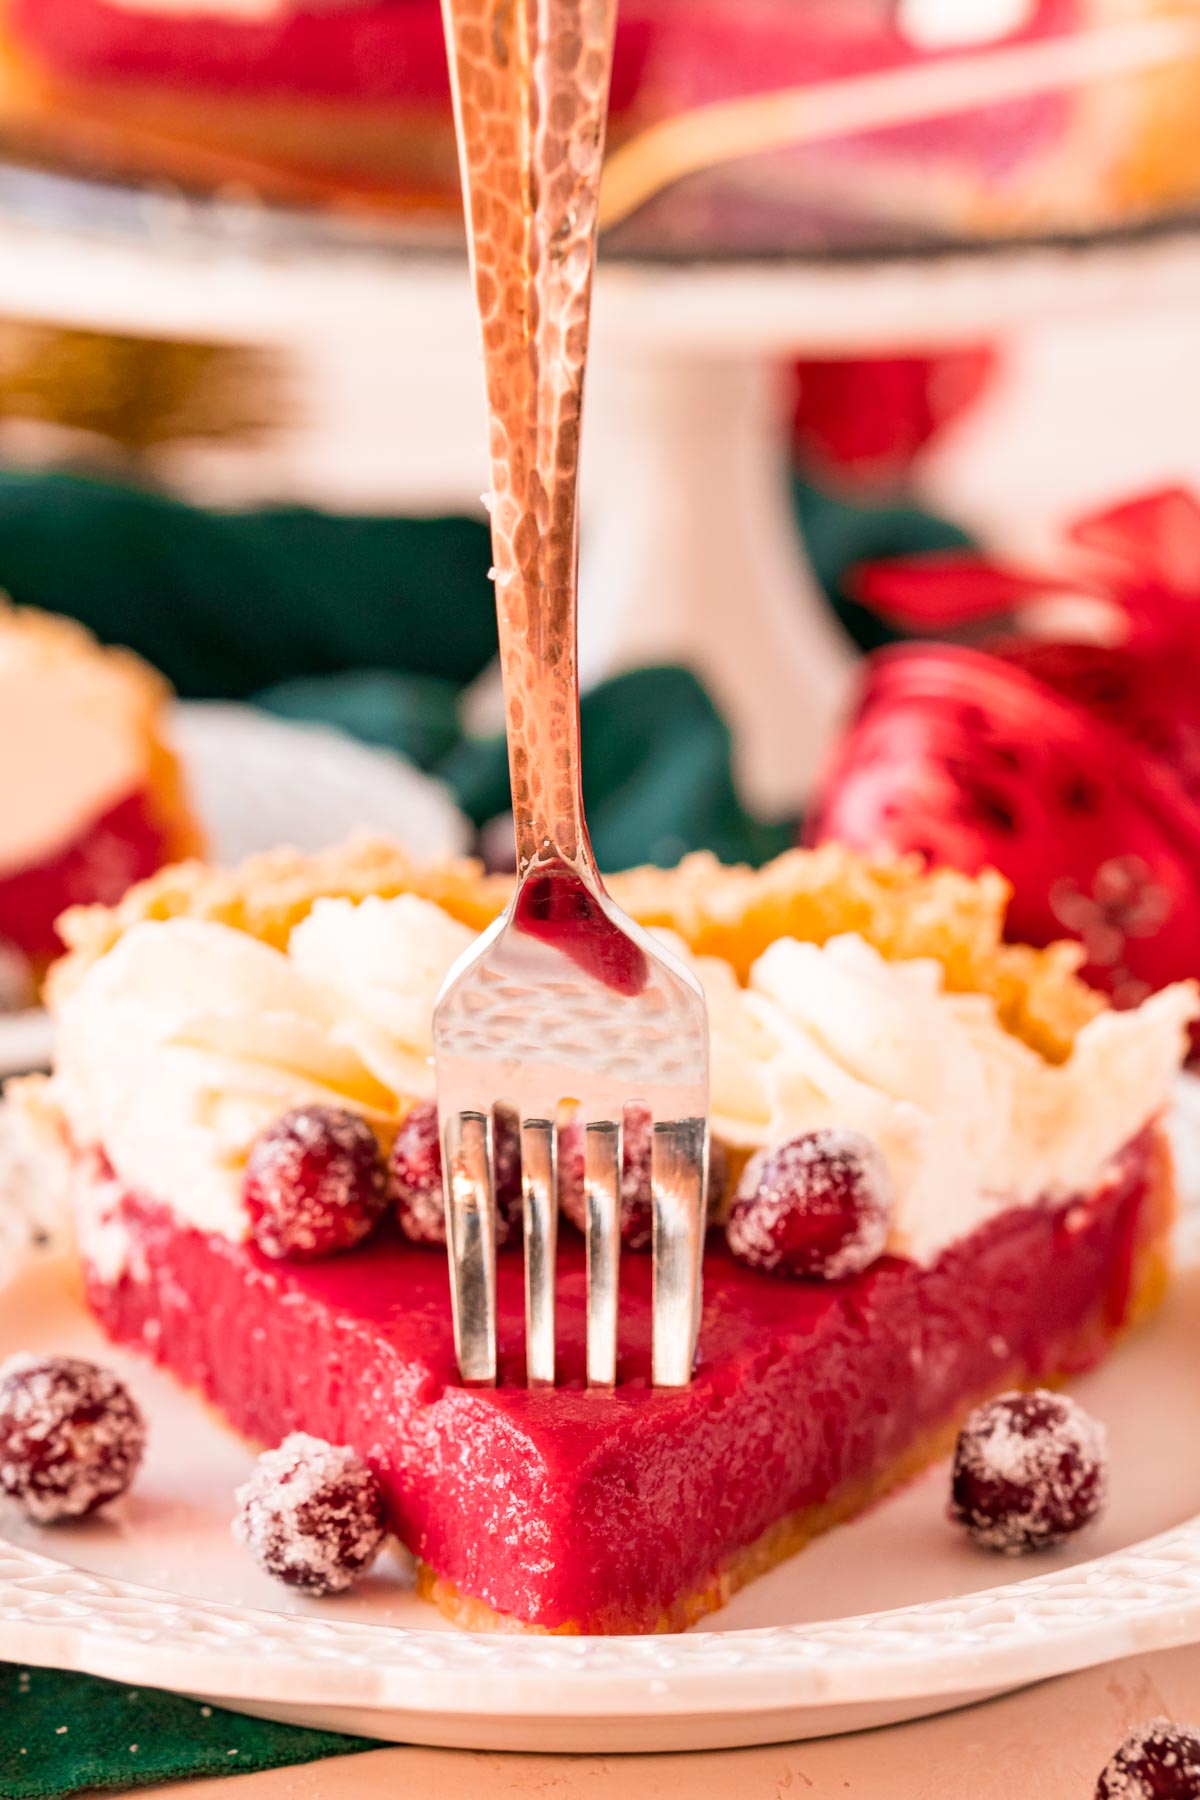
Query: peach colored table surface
column 1045, row 1743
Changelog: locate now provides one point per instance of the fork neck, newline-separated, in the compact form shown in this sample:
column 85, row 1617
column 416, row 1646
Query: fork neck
column 531, row 82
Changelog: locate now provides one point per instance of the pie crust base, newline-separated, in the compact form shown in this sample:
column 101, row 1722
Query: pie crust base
column 569, row 1511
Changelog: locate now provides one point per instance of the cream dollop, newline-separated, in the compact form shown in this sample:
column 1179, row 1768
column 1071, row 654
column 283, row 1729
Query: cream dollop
column 182, row 1044
column 969, row 1118
column 187, row 1038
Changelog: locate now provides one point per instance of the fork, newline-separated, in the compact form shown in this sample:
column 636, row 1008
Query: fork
column 564, row 999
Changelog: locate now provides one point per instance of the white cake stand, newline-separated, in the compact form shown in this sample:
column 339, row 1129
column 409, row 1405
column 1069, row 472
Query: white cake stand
column 690, row 549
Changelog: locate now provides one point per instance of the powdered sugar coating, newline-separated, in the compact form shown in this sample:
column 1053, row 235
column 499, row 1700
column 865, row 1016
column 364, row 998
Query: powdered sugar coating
column 415, row 1177
column 311, row 1514
column 1029, row 1471
column 818, row 1206
column 314, row 1183
column 1159, row 1760
column 71, row 1436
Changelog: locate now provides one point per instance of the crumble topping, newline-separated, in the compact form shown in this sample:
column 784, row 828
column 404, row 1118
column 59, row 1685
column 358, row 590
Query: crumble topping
column 195, row 1014
column 896, row 904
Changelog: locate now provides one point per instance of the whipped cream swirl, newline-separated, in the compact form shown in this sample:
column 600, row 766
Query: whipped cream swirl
column 188, row 1038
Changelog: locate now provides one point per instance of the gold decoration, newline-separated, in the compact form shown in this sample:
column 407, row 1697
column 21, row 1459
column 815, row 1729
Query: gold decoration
column 139, row 394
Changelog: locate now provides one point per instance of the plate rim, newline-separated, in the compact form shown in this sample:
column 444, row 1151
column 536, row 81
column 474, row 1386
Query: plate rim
column 1143, row 1597
column 1140, row 1598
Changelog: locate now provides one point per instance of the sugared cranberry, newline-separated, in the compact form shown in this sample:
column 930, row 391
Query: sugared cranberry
column 311, row 1514
column 636, row 1214
column 718, row 1177
column 314, row 1183
column 70, row 1436
column 637, row 1229
column 1029, row 1471
column 817, row 1206
column 1157, row 1761
column 415, row 1177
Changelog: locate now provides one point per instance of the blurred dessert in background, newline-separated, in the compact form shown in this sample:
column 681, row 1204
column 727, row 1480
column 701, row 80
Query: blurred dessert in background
column 1088, row 122
column 1064, row 752
column 91, row 797
column 300, row 101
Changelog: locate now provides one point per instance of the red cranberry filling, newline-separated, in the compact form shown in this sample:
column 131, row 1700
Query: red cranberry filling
column 1157, row 1761
column 311, row 1514
column 1029, row 1471
column 415, row 1177
column 314, row 1183
column 71, row 1437
column 817, row 1206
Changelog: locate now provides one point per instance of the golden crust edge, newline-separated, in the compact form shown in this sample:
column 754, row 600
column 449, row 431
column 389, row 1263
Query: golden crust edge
column 904, row 909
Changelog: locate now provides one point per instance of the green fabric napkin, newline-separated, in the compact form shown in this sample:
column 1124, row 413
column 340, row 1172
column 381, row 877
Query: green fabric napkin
column 224, row 602
column 378, row 625
column 375, row 625
column 657, row 778
column 840, row 532
column 63, row 1734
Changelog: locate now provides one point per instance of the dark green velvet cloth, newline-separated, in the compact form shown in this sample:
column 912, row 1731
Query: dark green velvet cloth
column 69, row 1734
column 378, row 625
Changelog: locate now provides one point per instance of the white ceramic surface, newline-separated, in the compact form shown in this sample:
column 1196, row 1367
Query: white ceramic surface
column 258, row 781
column 891, row 1617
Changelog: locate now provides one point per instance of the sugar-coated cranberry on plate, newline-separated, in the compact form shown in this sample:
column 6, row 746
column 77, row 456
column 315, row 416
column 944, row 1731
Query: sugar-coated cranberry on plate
column 314, row 1183
column 415, row 1177
column 71, row 1437
column 818, row 1206
column 1158, row 1761
column 1029, row 1471
column 637, row 1216
column 311, row 1514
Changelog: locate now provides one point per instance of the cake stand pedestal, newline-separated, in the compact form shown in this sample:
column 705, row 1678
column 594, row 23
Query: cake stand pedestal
column 691, row 554
column 369, row 397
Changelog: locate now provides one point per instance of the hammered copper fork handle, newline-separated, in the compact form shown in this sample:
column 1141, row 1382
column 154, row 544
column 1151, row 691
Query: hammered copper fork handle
column 531, row 149
column 512, row 1023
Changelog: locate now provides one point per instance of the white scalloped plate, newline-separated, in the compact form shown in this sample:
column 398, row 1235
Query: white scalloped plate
column 891, row 1617
column 258, row 781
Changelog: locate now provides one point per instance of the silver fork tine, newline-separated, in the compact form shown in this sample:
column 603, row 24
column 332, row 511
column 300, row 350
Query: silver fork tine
column 678, row 1181
column 471, row 1241
column 602, row 1181
column 539, row 1191
column 563, row 994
